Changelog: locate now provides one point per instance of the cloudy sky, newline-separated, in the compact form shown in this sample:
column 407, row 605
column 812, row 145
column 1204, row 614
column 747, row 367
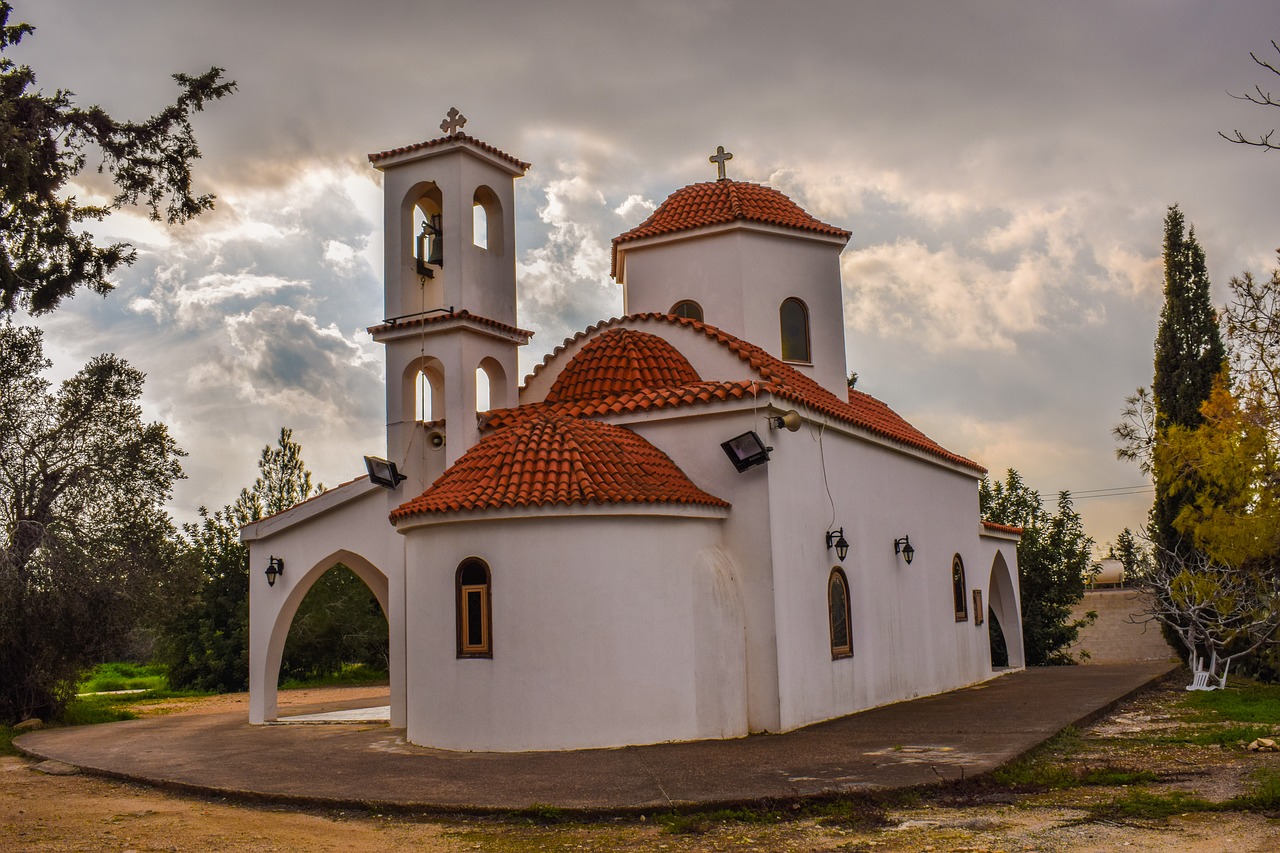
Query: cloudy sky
column 1004, row 168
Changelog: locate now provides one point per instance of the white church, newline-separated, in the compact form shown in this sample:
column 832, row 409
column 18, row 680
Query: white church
column 683, row 525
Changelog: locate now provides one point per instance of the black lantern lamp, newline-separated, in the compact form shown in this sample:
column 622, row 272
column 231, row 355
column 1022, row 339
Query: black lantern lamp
column 382, row 472
column 903, row 546
column 835, row 539
column 275, row 568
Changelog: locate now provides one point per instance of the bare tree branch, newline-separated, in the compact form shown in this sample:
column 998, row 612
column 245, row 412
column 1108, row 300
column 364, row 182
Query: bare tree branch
column 1263, row 99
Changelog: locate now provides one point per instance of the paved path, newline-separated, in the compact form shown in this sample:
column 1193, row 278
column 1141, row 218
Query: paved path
column 965, row 732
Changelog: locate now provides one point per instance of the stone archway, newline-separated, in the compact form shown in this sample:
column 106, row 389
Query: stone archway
column 1002, row 602
column 267, row 685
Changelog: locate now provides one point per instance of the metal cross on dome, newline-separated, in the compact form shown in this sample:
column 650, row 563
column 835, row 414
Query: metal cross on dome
column 453, row 121
column 719, row 159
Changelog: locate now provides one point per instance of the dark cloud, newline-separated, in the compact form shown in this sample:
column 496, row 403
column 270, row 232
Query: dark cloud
column 1004, row 167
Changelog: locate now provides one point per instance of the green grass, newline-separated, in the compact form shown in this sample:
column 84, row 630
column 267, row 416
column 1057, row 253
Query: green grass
column 352, row 674
column 1265, row 796
column 6, row 741
column 698, row 823
column 1241, row 702
column 106, row 677
column 539, row 813
column 1144, row 805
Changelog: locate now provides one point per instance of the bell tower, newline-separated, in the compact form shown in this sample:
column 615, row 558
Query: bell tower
column 450, row 296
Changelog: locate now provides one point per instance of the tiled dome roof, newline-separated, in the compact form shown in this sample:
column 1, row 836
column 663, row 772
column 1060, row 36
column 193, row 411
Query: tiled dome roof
column 621, row 361
column 550, row 461
column 721, row 202
column 772, row 376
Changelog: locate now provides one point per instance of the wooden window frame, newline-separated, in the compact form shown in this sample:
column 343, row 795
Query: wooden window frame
column 466, row 649
column 845, row 650
column 674, row 308
column 782, row 333
column 959, row 589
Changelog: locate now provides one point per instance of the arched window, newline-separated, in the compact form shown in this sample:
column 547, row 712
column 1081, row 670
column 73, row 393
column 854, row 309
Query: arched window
column 486, row 220
column 475, row 610
column 688, row 309
column 793, row 317
column 958, row 590
column 838, row 608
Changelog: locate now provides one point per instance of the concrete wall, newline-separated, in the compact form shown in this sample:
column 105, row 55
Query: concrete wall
column 1115, row 637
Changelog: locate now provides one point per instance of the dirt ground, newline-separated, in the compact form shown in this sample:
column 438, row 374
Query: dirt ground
column 40, row 811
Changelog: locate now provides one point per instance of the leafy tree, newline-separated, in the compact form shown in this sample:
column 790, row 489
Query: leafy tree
column 84, row 539
column 1219, row 613
column 1189, row 354
column 1262, row 98
column 1054, row 563
column 1234, row 514
column 1132, row 556
column 45, row 140
column 338, row 622
column 205, row 639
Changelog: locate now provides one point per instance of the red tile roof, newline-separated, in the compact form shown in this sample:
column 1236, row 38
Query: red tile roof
column 442, row 316
column 1001, row 528
column 548, row 461
column 621, row 361
column 445, row 140
column 775, row 377
column 721, row 202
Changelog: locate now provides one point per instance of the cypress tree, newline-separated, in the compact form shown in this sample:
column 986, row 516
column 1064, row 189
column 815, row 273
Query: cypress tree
column 1189, row 355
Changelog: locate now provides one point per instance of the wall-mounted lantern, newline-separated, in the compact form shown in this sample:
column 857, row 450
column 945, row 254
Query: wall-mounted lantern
column 382, row 472
column 275, row 568
column 903, row 546
column 835, row 539
column 746, row 450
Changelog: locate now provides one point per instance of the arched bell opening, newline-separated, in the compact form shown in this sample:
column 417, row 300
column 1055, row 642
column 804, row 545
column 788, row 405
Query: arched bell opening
column 491, row 384
column 486, row 220
column 423, row 391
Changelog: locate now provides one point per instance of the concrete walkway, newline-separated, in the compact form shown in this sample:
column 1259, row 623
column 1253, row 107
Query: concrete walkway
column 963, row 733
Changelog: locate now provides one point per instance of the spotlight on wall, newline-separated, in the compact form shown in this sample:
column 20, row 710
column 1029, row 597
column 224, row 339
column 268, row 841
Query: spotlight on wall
column 903, row 546
column 382, row 472
column 789, row 420
column 835, row 539
column 746, row 450
column 275, row 568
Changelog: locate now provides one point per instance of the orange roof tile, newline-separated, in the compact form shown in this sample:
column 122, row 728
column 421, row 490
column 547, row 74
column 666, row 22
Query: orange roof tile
column 1001, row 528
column 548, row 461
column 721, row 202
column 445, row 140
column 776, row 377
column 442, row 316
column 621, row 361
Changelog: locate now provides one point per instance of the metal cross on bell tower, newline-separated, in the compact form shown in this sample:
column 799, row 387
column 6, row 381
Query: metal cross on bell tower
column 453, row 121
column 719, row 159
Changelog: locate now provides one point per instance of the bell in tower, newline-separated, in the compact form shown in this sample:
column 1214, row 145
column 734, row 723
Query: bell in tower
column 449, row 197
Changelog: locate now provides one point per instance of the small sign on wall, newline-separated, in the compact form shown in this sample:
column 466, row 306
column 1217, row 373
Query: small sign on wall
column 979, row 612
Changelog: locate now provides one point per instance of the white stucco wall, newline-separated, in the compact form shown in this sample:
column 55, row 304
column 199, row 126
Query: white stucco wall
column 602, row 629
column 346, row 525
column 907, row 642
column 740, row 276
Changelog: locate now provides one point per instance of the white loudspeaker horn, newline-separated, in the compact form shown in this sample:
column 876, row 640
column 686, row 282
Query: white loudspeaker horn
column 790, row 420
column 435, row 439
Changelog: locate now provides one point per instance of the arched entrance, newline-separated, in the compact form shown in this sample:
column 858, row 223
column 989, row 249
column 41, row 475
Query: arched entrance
column 1004, row 617
column 372, row 577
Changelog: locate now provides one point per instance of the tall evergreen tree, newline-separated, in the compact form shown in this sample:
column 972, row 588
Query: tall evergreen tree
column 1189, row 354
